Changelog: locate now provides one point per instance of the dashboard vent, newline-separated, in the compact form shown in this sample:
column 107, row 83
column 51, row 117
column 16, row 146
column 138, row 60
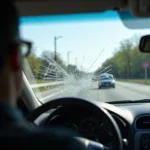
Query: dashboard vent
column 143, row 122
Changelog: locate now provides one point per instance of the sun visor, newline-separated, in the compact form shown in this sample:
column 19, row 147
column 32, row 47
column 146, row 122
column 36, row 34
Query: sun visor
column 138, row 16
column 133, row 22
column 139, row 8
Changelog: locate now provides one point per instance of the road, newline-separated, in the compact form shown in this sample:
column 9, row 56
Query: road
column 89, row 90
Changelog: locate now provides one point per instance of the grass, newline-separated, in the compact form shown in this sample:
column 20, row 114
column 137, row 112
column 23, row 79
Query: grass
column 43, row 81
column 40, row 81
column 139, row 81
column 46, row 88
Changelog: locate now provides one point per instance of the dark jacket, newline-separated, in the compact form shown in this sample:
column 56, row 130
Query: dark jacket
column 17, row 134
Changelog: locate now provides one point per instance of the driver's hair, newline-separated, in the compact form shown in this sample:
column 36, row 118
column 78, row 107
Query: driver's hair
column 9, row 29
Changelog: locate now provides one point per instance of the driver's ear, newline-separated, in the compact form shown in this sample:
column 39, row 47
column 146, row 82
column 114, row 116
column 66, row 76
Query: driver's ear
column 15, row 59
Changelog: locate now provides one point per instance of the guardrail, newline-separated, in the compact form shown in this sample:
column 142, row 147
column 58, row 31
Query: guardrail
column 47, row 84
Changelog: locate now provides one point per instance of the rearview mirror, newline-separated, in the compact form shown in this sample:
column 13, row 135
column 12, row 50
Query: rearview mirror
column 144, row 45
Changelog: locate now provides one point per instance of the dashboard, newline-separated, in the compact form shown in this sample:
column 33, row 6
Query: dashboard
column 86, row 125
column 133, row 121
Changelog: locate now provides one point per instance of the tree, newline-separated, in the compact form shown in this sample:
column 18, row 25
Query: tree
column 35, row 64
column 127, row 60
column 48, row 56
column 72, row 69
column 125, row 49
column 50, row 67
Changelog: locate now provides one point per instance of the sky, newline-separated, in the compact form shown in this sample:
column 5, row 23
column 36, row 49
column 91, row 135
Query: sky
column 86, row 37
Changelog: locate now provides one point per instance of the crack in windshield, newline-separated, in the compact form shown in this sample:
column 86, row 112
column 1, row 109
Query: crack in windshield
column 96, row 59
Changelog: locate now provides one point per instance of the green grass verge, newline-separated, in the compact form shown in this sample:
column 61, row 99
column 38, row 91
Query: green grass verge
column 139, row 81
column 43, row 81
column 41, row 89
column 47, row 88
column 40, row 81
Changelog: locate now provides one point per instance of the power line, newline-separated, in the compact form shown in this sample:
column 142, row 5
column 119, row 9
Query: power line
column 95, row 60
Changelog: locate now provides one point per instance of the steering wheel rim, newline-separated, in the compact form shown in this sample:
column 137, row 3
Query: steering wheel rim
column 69, row 101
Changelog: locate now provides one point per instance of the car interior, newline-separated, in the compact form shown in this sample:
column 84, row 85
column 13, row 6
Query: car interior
column 116, row 125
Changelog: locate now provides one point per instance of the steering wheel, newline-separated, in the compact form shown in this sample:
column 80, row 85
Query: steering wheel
column 80, row 103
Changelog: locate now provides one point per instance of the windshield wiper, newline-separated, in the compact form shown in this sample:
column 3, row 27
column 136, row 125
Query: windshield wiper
column 130, row 101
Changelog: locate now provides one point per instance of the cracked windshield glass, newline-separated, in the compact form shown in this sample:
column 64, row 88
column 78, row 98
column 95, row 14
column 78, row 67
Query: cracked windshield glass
column 90, row 56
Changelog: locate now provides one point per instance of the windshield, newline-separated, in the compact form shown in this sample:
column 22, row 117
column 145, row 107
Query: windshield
column 71, row 52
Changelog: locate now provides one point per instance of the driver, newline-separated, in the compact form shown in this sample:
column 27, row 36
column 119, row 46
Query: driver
column 15, row 132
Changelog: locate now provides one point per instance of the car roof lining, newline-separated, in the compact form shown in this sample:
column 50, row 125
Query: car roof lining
column 53, row 7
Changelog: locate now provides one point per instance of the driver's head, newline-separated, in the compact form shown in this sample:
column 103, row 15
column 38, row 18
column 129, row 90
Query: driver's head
column 10, row 53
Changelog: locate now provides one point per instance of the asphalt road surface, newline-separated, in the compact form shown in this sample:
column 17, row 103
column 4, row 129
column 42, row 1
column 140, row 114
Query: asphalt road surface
column 89, row 90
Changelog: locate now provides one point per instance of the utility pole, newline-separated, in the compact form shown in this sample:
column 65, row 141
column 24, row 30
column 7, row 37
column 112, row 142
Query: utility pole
column 68, row 57
column 76, row 61
column 55, row 46
column 145, row 75
column 82, row 62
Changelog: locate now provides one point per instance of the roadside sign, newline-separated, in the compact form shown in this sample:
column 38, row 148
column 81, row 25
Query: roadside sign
column 146, row 65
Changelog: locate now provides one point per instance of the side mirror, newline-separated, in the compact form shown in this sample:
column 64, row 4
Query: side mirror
column 144, row 45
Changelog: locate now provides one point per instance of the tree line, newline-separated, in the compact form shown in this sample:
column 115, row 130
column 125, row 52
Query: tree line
column 127, row 60
column 44, row 66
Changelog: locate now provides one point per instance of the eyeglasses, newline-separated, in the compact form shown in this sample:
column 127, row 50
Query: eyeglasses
column 25, row 48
